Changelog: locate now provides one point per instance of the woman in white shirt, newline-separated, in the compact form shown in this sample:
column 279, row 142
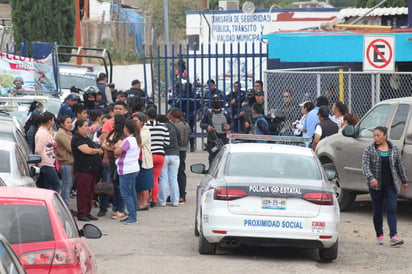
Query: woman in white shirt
column 128, row 168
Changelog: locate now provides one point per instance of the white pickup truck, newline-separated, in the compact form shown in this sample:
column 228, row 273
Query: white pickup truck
column 343, row 151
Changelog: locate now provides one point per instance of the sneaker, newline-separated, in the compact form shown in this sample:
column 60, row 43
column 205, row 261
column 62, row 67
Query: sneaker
column 153, row 204
column 379, row 240
column 162, row 205
column 129, row 222
column 175, row 205
column 395, row 240
column 181, row 201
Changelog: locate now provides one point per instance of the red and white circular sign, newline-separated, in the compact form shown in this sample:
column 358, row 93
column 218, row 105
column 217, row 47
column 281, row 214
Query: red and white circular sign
column 379, row 53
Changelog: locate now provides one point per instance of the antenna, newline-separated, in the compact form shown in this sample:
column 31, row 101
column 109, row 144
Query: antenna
column 248, row 7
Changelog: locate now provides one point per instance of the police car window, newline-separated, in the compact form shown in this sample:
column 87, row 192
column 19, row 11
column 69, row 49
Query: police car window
column 214, row 167
column 399, row 122
column 377, row 117
column 65, row 218
column 272, row 165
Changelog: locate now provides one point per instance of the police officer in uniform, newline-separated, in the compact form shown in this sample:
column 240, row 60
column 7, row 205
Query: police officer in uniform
column 217, row 122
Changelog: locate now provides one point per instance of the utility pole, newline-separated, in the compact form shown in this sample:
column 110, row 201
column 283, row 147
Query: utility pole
column 78, row 33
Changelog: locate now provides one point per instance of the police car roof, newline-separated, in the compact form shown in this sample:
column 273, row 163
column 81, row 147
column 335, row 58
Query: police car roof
column 270, row 148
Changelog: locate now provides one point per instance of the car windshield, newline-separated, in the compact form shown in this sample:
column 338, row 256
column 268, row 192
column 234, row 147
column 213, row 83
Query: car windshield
column 272, row 165
column 68, row 80
column 26, row 223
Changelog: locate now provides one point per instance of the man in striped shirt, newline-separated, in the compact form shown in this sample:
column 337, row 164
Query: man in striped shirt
column 160, row 139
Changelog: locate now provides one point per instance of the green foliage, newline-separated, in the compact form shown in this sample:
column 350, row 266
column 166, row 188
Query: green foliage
column 43, row 20
column 6, row 81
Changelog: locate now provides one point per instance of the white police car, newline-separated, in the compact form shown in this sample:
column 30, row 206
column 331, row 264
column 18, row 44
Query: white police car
column 266, row 194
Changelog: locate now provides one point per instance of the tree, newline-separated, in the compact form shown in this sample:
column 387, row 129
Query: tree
column 43, row 20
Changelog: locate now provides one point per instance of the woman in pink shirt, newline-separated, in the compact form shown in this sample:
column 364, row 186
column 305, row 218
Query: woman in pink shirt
column 45, row 146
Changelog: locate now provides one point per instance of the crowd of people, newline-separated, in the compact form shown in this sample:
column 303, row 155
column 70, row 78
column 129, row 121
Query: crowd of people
column 101, row 135
column 108, row 140
column 244, row 112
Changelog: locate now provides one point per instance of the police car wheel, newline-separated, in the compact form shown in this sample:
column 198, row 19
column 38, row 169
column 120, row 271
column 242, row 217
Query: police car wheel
column 205, row 247
column 329, row 254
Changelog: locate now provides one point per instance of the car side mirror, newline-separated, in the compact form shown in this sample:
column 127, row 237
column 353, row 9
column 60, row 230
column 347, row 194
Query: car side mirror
column 33, row 159
column 34, row 171
column 91, row 231
column 348, row 131
column 198, row 168
column 331, row 174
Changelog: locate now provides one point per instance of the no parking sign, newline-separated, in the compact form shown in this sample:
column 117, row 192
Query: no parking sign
column 379, row 53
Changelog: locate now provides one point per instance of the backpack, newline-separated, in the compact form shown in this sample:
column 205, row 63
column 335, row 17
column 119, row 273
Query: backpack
column 275, row 119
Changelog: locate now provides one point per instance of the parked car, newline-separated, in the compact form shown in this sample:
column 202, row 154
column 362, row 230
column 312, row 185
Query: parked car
column 14, row 165
column 343, row 152
column 10, row 132
column 18, row 106
column 9, row 263
column 266, row 194
column 43, row 232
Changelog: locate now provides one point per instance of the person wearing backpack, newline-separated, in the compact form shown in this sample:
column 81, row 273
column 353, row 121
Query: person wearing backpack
column 217, row 123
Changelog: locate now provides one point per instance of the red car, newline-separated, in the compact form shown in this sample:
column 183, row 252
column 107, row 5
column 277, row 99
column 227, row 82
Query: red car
column 43, row 233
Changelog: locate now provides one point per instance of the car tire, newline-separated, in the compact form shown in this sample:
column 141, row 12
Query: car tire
column 205, row 247
column 345, row 198
column 329, row 254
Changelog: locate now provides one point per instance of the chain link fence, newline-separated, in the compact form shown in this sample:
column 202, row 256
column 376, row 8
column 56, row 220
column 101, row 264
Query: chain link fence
column 359, row 90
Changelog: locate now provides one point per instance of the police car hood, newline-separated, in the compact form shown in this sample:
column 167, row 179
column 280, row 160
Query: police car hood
column 274, row 196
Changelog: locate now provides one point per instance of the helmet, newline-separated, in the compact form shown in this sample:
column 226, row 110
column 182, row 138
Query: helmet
column 18, row 79
column 216, row 97
column 91, row 90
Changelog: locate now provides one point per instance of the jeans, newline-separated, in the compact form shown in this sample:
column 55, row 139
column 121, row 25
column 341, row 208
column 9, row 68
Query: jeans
column 168, row 177
column 67, row 181
column 107, row 174
column 128, row 192
column 181, row 175
column 387, row 199
column 50, row 178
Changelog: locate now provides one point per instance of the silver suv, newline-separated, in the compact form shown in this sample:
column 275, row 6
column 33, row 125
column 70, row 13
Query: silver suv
column 342, row 152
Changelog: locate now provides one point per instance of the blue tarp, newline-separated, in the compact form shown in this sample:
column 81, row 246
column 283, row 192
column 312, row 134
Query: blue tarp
column 137, row 23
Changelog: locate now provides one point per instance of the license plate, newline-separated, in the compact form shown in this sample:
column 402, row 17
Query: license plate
column 274, row 203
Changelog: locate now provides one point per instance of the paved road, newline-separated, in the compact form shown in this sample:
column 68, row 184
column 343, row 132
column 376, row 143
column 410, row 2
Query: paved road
column 163, row 242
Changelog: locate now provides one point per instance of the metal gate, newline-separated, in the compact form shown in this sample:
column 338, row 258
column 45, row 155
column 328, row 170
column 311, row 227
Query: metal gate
column 182, row 72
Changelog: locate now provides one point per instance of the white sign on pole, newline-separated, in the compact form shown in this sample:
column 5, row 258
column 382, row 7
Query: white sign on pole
column 379, row 53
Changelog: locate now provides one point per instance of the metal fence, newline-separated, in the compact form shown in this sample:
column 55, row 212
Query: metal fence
column 175, row 66
column 359, row 90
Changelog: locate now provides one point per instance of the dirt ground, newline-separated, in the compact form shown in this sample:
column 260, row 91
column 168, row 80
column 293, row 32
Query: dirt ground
column 164, row 242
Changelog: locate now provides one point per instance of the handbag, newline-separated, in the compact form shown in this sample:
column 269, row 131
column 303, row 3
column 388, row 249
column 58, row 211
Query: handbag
column 104, row 188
